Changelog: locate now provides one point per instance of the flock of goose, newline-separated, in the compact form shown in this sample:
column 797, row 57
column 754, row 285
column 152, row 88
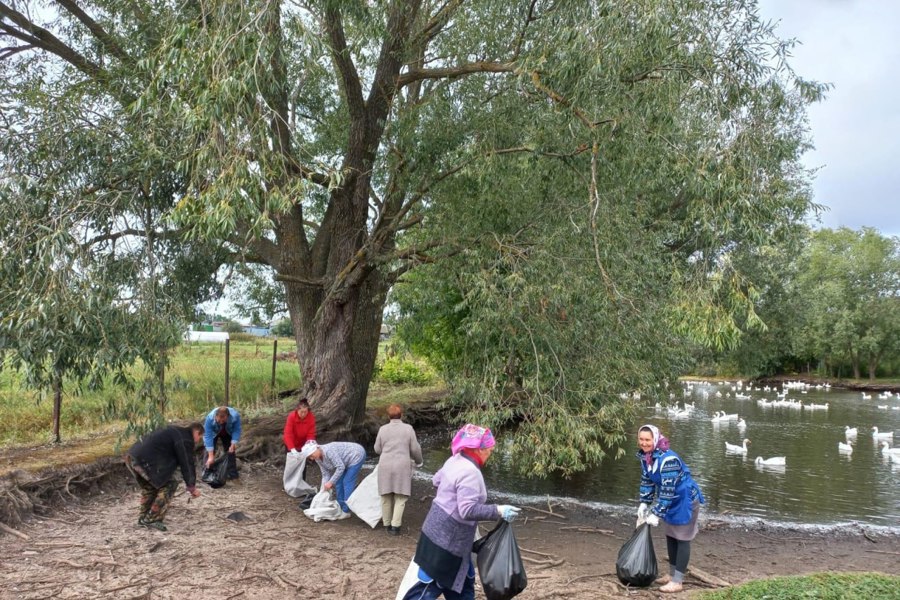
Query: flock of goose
column 884, row 439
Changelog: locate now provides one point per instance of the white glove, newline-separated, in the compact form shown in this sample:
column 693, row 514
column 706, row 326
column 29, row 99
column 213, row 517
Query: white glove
column 643, row 509
column 294, row 452
column 508, row 513
column 652, row 520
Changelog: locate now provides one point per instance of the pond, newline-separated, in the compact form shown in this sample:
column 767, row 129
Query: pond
column 817, row 485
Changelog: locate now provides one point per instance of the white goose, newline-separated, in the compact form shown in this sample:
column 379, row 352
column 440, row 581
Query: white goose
column 884, row 435
column 718, row 417
column 850, row 432
column 742, row 424
column 737, row 449
column 845, row 448
column 775, row 461
column 888, row 451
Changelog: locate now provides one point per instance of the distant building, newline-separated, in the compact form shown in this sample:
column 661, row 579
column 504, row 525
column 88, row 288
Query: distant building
column 257, row 331
column 386, row 331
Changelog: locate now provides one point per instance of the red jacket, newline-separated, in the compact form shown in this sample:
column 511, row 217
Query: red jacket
column 298, row 431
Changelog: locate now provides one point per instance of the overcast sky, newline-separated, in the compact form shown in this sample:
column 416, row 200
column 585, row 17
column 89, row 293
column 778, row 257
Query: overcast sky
column 854, row 45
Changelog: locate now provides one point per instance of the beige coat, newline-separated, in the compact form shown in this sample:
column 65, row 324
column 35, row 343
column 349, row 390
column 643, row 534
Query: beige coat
column 399, row 448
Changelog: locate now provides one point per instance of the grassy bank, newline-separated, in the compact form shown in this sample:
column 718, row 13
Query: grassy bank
column 195, row 382
column 821, row 586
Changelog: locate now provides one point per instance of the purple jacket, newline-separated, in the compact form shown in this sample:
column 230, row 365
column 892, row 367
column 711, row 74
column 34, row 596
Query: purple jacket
column 445, row 547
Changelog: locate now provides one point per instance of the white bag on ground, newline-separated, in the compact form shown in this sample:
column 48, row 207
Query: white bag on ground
column 365, row 501
column 294, row 465
column 410, row 578
column 323, row 508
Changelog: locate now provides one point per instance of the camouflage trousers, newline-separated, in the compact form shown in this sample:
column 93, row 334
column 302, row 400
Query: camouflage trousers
column 154, row 500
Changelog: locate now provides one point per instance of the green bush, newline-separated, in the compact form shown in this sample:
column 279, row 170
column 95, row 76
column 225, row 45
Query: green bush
column 397, row 369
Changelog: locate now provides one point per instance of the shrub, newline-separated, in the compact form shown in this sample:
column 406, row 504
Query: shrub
column 397, row 369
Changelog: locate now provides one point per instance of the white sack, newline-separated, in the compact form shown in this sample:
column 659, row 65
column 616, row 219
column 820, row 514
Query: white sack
column 410, row 578
column 323, row 508
column 294, row 465
column 365, row 502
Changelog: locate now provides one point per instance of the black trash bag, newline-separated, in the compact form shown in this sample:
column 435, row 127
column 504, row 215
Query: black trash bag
column 636, row 564
column 306, row 502
column 216, row 474
column 499, row 563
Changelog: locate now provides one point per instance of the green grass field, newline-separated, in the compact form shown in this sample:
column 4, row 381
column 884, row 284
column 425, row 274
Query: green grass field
column 195, row 383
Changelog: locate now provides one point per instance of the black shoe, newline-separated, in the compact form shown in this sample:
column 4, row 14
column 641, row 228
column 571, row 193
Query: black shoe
column 394, row 530
column 234, row 475
column 158, row 525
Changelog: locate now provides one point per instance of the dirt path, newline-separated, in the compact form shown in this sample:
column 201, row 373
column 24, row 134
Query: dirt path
column 93, row 549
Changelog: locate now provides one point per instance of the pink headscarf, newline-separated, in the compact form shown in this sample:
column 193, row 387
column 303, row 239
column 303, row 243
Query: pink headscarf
column 660, row 442
column 472, row 437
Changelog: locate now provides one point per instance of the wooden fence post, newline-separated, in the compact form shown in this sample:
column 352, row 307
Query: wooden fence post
column 227, row 370
column 274, row 358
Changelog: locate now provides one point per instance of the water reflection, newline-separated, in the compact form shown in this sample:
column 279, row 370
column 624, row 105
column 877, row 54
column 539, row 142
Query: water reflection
column 818, row 484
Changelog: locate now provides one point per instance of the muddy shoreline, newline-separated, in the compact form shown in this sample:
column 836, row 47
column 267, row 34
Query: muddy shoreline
column 90, row 546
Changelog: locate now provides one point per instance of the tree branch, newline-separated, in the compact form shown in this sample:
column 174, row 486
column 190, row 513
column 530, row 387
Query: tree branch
column 458, row 71
column 340, row 53
column 316, row 283
column 44, row 39
column 437, row 22
column 105, row 39
column 401, row 17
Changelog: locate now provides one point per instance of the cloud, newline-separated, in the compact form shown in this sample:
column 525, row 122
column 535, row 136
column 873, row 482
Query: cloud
column 856, row 131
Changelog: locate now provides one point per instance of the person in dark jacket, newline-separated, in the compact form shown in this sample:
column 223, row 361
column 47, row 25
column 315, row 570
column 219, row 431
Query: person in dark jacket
column 153, row 460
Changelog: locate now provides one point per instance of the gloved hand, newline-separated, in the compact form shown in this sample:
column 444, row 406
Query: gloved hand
column 508, row 513
column 294, row 452
column 652, row 520
column 643, row 511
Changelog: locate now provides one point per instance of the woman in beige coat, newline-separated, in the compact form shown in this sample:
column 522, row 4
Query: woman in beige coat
column 399, row 448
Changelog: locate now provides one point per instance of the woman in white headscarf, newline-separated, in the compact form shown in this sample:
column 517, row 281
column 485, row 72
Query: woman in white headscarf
column 670, row 494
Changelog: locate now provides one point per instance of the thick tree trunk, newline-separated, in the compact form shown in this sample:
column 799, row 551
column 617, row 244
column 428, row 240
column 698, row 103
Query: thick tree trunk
column 337, row 351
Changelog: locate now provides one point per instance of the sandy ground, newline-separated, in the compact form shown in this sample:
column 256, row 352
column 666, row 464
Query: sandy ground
column 93, row 549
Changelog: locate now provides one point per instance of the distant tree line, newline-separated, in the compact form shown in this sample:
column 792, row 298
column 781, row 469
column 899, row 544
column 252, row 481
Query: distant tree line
column 830, row 306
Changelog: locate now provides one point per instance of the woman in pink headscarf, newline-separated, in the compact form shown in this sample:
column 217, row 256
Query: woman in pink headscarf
column 667, row 485
column 445, row 544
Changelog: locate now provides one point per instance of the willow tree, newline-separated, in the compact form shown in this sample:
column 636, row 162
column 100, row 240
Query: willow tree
column 343, row 144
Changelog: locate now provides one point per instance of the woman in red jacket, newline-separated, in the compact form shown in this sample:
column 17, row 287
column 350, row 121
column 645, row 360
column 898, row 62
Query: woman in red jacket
column 300, row 427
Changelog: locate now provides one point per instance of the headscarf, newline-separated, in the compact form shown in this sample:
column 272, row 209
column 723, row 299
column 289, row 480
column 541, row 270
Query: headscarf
column 308, row 448
column 660, row 442
column 472, row 437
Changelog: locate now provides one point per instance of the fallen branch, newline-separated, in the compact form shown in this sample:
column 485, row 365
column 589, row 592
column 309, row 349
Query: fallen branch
column 14, row 532
column 588, row 530
column 580, row 577
column 125, row 587
column 883, row 552
column 546, row 512
column 707, row 578
column 536, row 552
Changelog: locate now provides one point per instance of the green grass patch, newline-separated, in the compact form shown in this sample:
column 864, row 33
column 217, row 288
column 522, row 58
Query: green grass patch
column 195, row 383
column 819, row 586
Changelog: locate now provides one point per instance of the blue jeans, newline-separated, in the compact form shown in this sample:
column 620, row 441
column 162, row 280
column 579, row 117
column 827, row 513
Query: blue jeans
column 431, row 590
column 346, row 484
